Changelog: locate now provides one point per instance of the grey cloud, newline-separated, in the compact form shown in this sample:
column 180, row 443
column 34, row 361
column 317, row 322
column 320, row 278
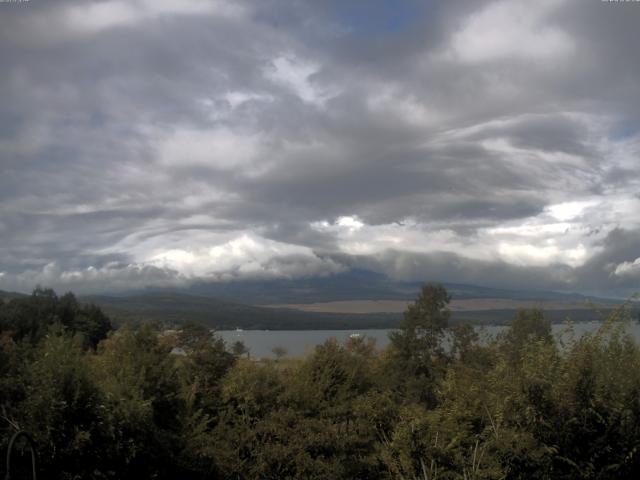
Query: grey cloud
column 109, row 278
column 619, row 246
column 596, row 276
column 455, row 268
column 404, row 131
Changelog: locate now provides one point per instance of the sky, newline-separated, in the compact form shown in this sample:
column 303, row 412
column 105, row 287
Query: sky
column 160, row 143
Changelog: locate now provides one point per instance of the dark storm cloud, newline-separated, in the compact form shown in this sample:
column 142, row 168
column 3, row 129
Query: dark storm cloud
column 453, row 268
column 165, row 142
column 616, row 264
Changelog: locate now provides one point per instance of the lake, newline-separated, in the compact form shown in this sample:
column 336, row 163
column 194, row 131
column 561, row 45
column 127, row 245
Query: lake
column 300, row 342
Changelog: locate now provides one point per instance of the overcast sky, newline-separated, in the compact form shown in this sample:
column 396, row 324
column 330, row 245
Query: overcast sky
column 163, row 142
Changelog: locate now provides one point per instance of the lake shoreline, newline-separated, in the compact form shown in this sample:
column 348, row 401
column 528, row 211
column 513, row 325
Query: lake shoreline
column 300, row 342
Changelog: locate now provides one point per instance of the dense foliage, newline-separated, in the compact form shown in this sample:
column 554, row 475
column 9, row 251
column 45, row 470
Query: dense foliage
column 121, row 405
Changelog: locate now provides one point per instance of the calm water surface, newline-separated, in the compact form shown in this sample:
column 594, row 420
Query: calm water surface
column 299, row 342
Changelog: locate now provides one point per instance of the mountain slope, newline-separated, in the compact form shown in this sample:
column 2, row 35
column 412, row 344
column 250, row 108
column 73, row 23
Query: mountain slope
column 5, row 296
column 174, row 308
column 357, row 285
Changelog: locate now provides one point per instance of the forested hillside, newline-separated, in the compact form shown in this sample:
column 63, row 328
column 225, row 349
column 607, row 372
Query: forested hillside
column 118, row 404
column 174, row 308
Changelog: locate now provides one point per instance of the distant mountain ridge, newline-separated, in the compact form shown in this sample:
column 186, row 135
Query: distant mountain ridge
column 174, row 308
column 357, row 284
column 4, row 295
column 238, row 304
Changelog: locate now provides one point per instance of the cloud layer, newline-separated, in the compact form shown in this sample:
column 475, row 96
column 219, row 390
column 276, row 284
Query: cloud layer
column 153, row 143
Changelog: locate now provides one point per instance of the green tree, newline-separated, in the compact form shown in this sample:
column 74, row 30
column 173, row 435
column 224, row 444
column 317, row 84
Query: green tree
column 416, row 353
column 63, row 408
column 239, row 348
column 528, row 326
column 30, row 317
column 140, row 381
column 424, row 324
column 279, row 352
column 206, row 363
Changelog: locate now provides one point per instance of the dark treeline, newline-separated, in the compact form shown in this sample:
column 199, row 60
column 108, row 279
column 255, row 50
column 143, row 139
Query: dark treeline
column 173, row 309
column 117, row 404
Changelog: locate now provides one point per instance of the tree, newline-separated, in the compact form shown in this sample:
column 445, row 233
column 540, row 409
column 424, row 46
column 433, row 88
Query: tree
column 361, row 345
column 279, row 352
column 239, row 348
column 64, row 408
column 193, row 336
column 30, row 317
column 416, row 348
column 207, row 361
column 139, row 379
column 91, row 322
column 464, row 342
column 527, row 327
column 425, row 322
